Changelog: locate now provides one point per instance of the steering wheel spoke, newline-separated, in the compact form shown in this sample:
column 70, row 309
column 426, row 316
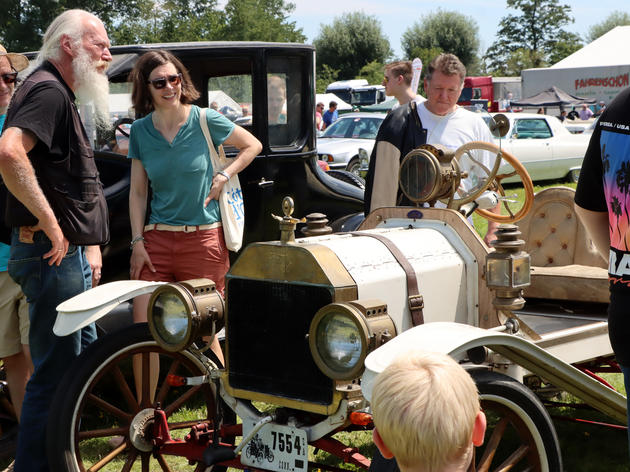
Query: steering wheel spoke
column 482, row 178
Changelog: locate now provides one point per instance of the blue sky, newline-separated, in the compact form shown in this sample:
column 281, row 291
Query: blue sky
column 398, row 15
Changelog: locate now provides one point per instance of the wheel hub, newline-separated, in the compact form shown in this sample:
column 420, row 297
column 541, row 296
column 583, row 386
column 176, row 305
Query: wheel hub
column 140, row 430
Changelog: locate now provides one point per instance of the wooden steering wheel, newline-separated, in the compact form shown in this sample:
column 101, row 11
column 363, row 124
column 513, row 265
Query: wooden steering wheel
column 493, row 181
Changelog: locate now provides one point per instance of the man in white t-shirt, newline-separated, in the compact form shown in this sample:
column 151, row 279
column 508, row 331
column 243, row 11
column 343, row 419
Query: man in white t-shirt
column 441, row 121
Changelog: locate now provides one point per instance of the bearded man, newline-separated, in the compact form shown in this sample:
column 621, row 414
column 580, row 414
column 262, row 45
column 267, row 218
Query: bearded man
column 57, row 209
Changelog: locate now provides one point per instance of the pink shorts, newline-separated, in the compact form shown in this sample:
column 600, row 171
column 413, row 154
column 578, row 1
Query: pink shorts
column 179, row 256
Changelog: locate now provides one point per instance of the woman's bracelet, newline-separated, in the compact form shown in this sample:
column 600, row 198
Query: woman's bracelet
column 224, row 174
column 135, row 240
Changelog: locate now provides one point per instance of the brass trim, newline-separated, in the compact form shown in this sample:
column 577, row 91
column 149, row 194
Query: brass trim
column 306, row 263
column 283, row 401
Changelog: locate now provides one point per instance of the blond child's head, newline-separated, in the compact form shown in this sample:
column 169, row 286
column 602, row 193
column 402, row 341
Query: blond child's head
column 427, row 413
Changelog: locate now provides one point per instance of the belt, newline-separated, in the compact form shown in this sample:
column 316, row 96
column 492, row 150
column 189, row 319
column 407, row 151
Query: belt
column 182, row 228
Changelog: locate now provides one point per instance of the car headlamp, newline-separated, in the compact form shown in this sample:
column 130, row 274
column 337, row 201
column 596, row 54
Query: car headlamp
column 179, row 313
column 341, row 335
column 428, row 173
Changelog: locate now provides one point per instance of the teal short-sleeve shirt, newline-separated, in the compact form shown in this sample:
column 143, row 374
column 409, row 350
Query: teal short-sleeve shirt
column 180, row 173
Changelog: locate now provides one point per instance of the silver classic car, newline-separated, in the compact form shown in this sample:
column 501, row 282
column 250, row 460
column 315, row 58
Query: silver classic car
column 340, row 144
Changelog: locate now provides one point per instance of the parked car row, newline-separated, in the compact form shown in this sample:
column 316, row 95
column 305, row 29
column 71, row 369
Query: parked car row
column 546, row 148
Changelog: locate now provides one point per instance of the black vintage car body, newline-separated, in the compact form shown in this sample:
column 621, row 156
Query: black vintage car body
column 234, row 75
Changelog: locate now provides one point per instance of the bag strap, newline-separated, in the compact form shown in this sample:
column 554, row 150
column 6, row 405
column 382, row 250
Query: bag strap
column 415, row 301
column 214, row 157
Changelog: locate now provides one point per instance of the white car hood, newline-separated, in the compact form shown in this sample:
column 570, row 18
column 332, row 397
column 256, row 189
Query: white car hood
column 341, row 145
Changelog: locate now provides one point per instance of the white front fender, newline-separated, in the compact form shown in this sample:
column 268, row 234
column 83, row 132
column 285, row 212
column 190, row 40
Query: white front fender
column 456, row 339
column 87, row 307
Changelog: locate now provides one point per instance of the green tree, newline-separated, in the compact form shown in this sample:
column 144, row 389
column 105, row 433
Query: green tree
column 443, row 31
column 350, row 42
column 538, row 27
column 325, row 76
column 372, row 72
column 261, row 20
column 616, row 18
column 25, row 21
column 144, row 21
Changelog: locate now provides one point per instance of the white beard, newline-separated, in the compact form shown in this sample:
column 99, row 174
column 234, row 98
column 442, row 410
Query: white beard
column 92, row 87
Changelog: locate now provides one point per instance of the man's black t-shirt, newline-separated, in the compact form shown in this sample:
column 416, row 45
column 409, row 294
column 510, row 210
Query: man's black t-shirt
column 62, row 158
column 605, row 186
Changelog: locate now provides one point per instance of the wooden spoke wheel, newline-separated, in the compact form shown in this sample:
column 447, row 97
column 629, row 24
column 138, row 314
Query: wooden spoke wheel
column 520, row 435
column 101, row 416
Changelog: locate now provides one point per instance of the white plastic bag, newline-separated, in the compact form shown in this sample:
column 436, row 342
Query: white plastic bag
column 231, row 202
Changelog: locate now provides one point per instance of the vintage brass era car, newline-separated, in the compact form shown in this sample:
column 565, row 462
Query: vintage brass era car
column 310, row 321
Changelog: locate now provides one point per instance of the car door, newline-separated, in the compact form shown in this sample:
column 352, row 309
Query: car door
column 530, row 142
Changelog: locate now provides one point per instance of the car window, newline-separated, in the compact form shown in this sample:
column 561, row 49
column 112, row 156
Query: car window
column 121, row 113
column 365, row 128
column 339, row 129
column 231, row 95
column 535, row 128
column 284, row 100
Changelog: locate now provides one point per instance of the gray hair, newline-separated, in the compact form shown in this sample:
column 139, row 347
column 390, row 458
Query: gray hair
column 69, row 23
column 447, row 64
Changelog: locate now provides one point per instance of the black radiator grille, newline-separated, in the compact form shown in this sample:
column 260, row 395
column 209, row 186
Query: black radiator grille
column 267, row 329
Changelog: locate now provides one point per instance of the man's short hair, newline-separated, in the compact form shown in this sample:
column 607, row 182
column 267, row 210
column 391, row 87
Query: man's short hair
column 447, row 64
column 332, row 104
column 424, row 406
column 401, row 68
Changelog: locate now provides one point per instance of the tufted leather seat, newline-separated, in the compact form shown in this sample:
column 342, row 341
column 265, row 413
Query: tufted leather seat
column 565, row 263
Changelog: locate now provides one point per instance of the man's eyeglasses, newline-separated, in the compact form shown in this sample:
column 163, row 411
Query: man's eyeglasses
column 9, row 77
column 385, row 79
column 160, row 82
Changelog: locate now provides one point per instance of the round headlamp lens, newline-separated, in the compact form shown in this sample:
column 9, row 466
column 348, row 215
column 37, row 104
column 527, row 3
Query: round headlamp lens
column 170, row 318
column 339, row 342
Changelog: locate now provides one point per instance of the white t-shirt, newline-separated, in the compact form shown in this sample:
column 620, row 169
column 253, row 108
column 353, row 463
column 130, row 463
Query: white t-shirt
column 419, row 99
column 458, row 128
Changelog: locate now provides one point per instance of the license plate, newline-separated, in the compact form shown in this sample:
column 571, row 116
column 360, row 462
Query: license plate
column 276, row 447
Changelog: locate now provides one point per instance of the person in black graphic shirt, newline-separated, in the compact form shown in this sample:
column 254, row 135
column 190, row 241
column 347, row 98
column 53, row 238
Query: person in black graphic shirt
column 602, row 201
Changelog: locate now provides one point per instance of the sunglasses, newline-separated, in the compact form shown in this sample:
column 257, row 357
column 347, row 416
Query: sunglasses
column 160, row 82
column 9, row 77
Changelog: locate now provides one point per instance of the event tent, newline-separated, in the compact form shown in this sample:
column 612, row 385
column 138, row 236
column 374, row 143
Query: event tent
column 600, row 70
column 326, row 98
column 552, row 97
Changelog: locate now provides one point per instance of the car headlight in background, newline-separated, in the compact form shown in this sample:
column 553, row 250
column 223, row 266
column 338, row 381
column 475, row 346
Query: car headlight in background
column 364, row 158
column 179, row 313
column 341, row 335
column 326, row 157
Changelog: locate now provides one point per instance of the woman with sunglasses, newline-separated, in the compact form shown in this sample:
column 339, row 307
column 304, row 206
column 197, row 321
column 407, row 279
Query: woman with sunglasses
column 184, row 238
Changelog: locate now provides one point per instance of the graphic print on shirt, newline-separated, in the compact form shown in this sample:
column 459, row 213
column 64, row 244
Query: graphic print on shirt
column 615, row 155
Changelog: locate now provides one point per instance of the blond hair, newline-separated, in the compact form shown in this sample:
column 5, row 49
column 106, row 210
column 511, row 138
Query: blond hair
column 424, row 406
